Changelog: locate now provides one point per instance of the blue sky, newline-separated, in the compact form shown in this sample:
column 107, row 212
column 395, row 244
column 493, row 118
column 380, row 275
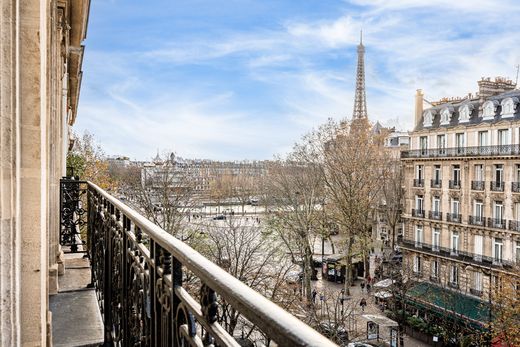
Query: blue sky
column 244, row 79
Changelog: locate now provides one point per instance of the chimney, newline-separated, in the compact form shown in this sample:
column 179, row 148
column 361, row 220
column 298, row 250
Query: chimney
column 418, row 106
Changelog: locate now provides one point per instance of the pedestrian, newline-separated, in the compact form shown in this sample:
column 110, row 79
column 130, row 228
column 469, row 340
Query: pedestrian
column 368, row 287
column 363, row 303
column 314, row 293
column 362, row 286
column 369, row 279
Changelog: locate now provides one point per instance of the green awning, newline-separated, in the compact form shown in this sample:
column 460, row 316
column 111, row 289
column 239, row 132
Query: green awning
column 445, row 301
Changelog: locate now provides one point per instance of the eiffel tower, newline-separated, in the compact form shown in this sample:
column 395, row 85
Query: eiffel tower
column 360, row 101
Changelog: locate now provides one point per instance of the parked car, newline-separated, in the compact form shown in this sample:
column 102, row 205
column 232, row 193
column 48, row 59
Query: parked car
column 219, row 217
column 334, row 331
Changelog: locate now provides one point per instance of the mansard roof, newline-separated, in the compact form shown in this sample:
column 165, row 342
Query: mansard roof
column 475, row 115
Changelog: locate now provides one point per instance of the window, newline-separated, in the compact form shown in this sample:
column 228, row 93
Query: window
column 517, row 173
column 479, row 210
column 441, row 143
column 435, row 269
column 489, row 108
column 478, row 247
column 455, row 207
column 419, row 203
column 508, row 107
column 497, row 250
column 423, row 144
column 436, row 239
column 436, row 203
column 482, row 138
column 417, row 264
column 454, row 242
column 498, row 211
column 479, row 172
column 517, row 251
column 503, row 137
column 459, row 142
column 454, row 275
column 477, row 281
column 465, row 112
column 499, row 173
column 437, row 174
column 456, row 174
column 418, row 235
column 419, row 172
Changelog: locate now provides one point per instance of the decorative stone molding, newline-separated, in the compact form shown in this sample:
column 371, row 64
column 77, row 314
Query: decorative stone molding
column 509, row 107
column 428, row 118
column 477, row 196
column 489, row 109
column 454, row 194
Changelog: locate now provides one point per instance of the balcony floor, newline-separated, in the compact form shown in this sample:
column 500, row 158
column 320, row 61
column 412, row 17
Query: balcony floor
column 76, row 320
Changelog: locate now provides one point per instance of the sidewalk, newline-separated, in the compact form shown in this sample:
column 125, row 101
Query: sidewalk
column 357, row 328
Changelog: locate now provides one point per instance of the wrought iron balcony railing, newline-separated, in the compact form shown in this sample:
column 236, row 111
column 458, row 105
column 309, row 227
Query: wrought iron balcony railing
column 417, row 213
column 454, row 217
column 475, row 292
column 454, row 184
column 501, row 150
column 418, row 182
column 496, row 223
column 515, row 187
column 464, row 256
column 139, row 272
column 514, row 225
column 477, row 220
column 478, row 185
column 496, row 186
column 437, row 215
column 436, row 183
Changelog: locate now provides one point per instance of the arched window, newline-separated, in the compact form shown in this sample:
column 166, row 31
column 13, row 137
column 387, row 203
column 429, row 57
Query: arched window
column 489, row 108
column 428, row 118
column 508, row 107
column 446, row 115
column 465, row 113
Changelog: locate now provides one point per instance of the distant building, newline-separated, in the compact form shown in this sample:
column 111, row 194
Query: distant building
column 462, row 210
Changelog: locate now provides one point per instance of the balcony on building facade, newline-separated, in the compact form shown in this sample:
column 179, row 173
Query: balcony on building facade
column 476, row 292
column 454, row 217
column 436, row 215
column 478, row 185
column 449, row 252
column 496, row 186
column 475, row 151
column 477, row 220
column 496, row 223
column 418, row 182
column 417, row 213
column 139, row 275
column 436, row 183
column 435, row 279
column 514, row 225
column 454, row 285
column 515, row 187
column 454, row 184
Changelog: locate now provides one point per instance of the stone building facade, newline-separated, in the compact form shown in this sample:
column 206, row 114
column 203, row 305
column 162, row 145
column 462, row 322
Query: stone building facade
column 40, row 76
column 462, row 190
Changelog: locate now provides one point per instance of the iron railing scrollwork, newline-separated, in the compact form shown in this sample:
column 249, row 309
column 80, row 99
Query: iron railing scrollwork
column 138, row 271
column 418, row 182
column 498, row 150
column 477, row 185
column 72, row 214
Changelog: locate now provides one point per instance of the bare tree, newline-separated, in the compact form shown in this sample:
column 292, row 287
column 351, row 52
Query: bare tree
column 392, row 194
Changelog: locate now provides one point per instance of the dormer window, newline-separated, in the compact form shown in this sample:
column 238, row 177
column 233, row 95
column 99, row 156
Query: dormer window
column 428, row 118
column 489, row 108
column 508, row 107
column 446, row 115
column 465, row 113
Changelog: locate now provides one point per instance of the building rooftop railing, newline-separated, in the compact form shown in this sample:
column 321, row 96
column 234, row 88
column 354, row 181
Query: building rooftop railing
column 498, row 150
column 138, row 271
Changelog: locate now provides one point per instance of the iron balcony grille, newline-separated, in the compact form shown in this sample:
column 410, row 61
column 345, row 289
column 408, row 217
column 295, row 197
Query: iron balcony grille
column 477, row 220
column 453, row 284
column 468, row 257
column 418, row 182
column 434, row 278
column 475, row 292
column 515, row 187
column 435, row 215
column 454, row 217
column 138, row 272
column 496, row 223
column 436, row 183
column 477, row 185
column 500, row 150
column 497, row 186
column 514, row 225
column 454, row 184
column 417, row 213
